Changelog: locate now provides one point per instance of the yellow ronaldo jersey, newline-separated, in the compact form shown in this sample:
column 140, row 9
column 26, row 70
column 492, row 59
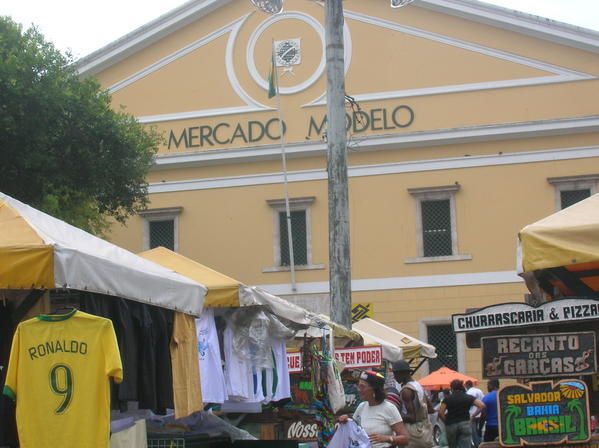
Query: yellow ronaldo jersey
column 58, row 374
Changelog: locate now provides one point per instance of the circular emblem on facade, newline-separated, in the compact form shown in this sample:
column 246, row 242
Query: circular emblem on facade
column 288, row 52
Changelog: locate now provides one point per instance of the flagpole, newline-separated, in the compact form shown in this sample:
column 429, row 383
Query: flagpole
column 275, row 73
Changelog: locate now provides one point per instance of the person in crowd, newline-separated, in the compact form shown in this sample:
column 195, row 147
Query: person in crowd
column 455, row 413
column 490, row 413
column 414, row 407
column 379, row 418
column 476, row 429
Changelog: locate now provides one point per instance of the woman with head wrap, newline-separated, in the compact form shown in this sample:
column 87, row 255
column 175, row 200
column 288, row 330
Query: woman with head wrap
column 379, row 418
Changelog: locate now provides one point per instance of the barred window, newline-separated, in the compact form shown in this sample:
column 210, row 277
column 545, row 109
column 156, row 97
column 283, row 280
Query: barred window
column 299, row 209
column 436, row 228
column 436, row 235
column 572, row 189
column 162, row 233
column 444, row 340
column 571, row 197
column 299, row 238
column 161, row 228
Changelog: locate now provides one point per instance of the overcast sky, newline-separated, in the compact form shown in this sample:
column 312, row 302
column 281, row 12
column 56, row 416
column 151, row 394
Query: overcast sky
column 84, row 26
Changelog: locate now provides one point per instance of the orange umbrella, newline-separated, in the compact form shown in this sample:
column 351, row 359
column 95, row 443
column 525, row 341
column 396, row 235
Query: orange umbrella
column 441, row 378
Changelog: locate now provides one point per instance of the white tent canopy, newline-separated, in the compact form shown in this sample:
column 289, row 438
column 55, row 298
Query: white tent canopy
column 396, row 345
column 62, row 256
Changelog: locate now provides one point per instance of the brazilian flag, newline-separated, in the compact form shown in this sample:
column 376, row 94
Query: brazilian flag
column 272, row 78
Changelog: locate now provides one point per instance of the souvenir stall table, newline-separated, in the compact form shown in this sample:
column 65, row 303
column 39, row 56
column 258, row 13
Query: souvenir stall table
column 40, row 254
column 548, row 344
column 378, row 347
column 242, row 321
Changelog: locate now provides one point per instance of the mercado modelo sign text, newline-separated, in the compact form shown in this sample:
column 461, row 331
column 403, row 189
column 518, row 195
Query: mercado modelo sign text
column 539, row 355
column 508, row 315
column 544, row 413
column 255, row 131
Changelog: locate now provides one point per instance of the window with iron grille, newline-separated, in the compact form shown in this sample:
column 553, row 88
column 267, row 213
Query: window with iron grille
column 299, row 209
column 572, row 189
column 436, row 228
column 571, row 197
column 436, row 224
column 162, row 233
column 444, row 340
column 299, row 238
column 161, row 227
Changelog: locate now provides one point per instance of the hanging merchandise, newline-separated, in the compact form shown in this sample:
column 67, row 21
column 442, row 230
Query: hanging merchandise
column 335, row 391
column 8, row 428
column 187, row 393
column 350, row 434
column 214, row 389
column 238, row 370
column 58, row 375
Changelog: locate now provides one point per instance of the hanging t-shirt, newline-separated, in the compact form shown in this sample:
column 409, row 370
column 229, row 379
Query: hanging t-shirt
column 214, row 389
column 186, row 370
column 283, row 386
column 349, row 435
column 58, row 375
column 8, row 427
column 238, row 371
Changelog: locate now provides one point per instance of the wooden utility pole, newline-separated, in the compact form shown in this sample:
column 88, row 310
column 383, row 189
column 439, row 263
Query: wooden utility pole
column 339, row 255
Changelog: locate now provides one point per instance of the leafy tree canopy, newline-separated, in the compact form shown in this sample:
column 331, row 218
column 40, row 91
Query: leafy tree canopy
column 63, row 149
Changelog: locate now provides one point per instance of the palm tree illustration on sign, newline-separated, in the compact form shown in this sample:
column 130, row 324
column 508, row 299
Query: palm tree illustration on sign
column 511, row 413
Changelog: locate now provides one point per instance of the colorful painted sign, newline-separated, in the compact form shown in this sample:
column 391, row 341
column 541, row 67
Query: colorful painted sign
column 361, row 310
column 510, row 315
column 352, row 358
column 539, row 355
column 544, row 413
column 360, row 357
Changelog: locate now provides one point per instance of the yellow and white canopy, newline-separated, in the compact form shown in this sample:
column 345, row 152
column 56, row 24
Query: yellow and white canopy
column 38, row 251
column 564, row 238
column 396, row 345
column 224, row 291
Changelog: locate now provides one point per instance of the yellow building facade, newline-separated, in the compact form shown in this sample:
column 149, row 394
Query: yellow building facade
column 468, row 121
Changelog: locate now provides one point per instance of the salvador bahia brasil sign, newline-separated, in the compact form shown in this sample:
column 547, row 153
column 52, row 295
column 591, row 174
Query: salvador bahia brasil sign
column 544, row 413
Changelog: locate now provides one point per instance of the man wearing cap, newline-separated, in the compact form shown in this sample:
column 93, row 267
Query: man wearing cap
column 415, row 407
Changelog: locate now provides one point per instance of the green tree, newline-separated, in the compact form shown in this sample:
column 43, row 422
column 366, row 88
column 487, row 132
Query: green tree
column 63, row 148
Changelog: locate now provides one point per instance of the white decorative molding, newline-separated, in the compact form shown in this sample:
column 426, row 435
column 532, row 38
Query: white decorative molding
column 380, row 169
column 191, row 11
column 417, row 139
column 560, row 74
column 414, row 282
column 174, row 56
column 520, row 22
column 251, row 46
column 146, row 35
column 233, row 76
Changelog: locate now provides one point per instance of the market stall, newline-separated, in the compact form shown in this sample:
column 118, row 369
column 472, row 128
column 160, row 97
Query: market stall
column 41, row 256
column 233, row 311
column 548, row 344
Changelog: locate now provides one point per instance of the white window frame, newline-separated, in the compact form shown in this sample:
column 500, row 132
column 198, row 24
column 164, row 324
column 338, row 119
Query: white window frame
column 161, row 214
column 570, row 183
column 434, row 194
column 295, row 204
column 460, row 341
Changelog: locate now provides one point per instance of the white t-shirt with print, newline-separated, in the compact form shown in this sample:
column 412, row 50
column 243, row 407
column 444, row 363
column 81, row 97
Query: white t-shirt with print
column 377, row 419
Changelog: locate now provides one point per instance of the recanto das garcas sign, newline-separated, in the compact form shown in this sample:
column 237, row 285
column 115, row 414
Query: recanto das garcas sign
column 539, row 355
column 544, row 413
column 254, row 131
